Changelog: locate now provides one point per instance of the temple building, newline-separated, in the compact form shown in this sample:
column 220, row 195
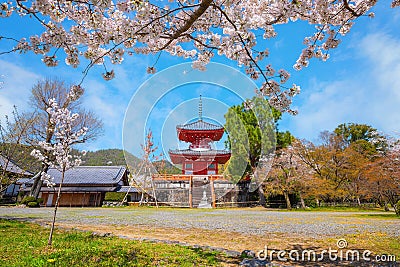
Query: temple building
column 200, row 158
column 202, row 183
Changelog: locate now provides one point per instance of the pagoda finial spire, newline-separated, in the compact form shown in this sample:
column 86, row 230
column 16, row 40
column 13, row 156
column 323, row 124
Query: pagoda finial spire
column 200, row 109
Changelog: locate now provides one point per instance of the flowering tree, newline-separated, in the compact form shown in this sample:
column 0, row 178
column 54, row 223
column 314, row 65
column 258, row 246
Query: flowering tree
column 57, row 154
column 144, row 176
column 44, row 93
column 103, row 31
column 288, row 175
column 383, row 176
column 347, row 167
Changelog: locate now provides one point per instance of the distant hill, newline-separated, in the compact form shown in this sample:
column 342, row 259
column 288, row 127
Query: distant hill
column 166, row 167
column 20, row 155
column 103, row 157
column 106, row 157
column 111, row 157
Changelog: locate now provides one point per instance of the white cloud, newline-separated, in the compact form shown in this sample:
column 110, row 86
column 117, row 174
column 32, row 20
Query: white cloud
column 110, row 108
column 16, row 88
column 369, row 93
column 110, row 99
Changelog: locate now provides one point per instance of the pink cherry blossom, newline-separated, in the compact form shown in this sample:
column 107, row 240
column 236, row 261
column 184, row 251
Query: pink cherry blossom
column 105, row 31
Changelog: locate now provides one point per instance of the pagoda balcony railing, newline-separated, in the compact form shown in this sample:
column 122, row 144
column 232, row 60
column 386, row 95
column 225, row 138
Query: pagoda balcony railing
column 185, row 177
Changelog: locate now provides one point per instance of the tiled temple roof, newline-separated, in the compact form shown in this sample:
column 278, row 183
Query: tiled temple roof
column 89, row 175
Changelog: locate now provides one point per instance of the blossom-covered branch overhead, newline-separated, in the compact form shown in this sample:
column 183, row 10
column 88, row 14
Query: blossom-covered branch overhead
column 103, row 31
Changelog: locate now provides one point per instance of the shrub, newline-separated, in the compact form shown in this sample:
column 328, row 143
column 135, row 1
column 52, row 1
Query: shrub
column 114, row 196
column 40, row 200
column 20, row 196
column 311, row 202
column 33, row 204
column 28, row 199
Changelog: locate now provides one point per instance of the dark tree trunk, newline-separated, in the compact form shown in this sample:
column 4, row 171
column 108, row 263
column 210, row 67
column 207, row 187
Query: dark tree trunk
column 261, row 196
column 37, row 183
column 288, row 205
column 386, row 206
column 303, row 204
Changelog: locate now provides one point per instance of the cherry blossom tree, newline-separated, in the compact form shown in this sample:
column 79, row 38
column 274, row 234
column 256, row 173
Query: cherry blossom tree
column 144, row 176
column 289, row 175
column 58, row 154
column 357, row 170
column 383, row 176
column 43, row 92
column 103, row 31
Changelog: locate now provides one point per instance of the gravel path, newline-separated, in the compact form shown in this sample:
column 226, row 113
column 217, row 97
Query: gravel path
column 244, row 221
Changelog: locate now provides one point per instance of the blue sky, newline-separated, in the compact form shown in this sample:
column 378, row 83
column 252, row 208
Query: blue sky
column 359, row 83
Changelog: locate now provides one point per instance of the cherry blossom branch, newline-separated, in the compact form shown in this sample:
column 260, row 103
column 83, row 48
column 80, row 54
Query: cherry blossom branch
column 352, row 11
column 107, row 30
column 188, row 23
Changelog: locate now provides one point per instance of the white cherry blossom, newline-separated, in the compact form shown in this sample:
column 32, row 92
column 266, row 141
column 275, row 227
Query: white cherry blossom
column 105, row 31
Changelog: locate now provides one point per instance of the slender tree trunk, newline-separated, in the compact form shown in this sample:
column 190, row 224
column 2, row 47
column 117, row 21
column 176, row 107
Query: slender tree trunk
column 261, row 196
column 55, row 208
column 386, row 206
column 141, row 198
column 286, row 195
column 317, row 201
column 303, row 204
column 154, row 192
column 358, row 201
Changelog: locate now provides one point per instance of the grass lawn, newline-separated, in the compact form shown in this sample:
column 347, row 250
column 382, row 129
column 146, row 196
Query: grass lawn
column 258, row 208
column 25, row 244
column 339, row 209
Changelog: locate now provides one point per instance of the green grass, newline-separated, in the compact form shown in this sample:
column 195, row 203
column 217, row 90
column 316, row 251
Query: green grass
column 25, row 244
column 338, row 208
column 389, row 215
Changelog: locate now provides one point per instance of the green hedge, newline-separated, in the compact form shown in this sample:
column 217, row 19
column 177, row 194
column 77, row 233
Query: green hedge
column 33, row 204
column 28, row 199
column 114, row 196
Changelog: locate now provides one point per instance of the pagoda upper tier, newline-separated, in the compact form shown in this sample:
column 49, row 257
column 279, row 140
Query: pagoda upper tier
column 200, row 133
column 199, row 158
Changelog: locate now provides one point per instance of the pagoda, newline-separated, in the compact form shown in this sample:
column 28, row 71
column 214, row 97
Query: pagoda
column 199, row 158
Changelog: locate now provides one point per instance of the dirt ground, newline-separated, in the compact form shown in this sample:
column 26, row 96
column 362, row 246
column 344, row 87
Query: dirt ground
column 231, row 229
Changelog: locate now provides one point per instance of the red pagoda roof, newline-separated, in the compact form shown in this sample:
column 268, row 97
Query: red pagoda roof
column 200, row 125
column 190, row 152
column 221, row 156
column 199, row 130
